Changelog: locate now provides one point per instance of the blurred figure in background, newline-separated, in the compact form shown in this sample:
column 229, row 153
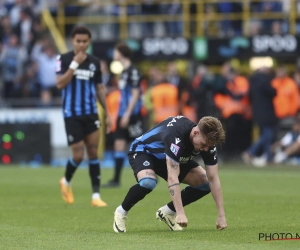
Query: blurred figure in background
column 233, row 102
column 261, row 95
column 149, row 7
column 174, row 28
column 173, row 77
column 201, row 91
column 287, row 97
column 24, row 28
column 129, row 122
column 288, row 147
column 108, row 79
column 161, row 100
column 46, row 63
column 12, row 60
column 5, row 31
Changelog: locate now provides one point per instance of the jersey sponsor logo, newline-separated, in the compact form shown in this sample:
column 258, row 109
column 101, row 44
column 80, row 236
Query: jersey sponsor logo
column 185, row 159
column 174, row 149
column 84, row 74
column 92, row 67
column 177, row 140
column 146, row 163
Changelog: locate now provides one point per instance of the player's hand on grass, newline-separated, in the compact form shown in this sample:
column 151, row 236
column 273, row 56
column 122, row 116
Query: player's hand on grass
column 108, row 124
column 80, row 57
column 181, row 220
column 221, row 223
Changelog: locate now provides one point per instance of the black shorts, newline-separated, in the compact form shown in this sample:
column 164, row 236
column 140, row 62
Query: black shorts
column 134, row 129
column 78, row 127
column 140, row 161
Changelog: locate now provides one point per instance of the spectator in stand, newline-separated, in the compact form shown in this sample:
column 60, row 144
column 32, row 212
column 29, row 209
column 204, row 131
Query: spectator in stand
column 174, row 28
column 211, row 27
column 267, row 7
column 14, row 13
column 24, row 28
column 149, row 7
column 12, row 60
column 287, row 98
column 261, row 95
column 47, row 77
column 230, row 27
column 5, row 30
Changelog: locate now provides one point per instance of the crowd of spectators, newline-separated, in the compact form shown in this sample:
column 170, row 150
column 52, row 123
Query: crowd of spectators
column 278, row 22
column 27, row 54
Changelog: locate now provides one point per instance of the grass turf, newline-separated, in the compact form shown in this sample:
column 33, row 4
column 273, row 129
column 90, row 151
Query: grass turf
column 33, row 215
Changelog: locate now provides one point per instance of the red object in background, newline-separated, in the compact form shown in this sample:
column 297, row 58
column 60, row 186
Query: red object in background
column 6, row 159
column 7, row 145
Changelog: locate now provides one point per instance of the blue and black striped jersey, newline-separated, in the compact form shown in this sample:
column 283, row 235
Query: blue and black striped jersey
column 171, row 137
column 129, row 79
column 79, row 96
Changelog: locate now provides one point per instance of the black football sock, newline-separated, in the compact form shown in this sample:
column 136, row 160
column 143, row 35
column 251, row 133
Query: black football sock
column 94, row 169
column 134, row 195
column 119, row 161
column 191, row 194
column 70, row 169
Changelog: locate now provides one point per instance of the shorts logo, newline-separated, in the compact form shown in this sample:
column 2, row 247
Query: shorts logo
column 97, row 123
column 70, row 138
column 146, row 163
column 174, row 149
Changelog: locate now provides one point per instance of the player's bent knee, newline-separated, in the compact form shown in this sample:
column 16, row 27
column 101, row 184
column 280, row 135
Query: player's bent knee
column 148, row 183
column 203, row 187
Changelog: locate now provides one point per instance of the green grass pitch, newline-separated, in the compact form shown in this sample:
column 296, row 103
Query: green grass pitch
column 33, row 215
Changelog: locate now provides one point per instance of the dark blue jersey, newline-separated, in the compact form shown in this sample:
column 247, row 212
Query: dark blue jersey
column 129, row 79
column 171, row 137
column 79, row 96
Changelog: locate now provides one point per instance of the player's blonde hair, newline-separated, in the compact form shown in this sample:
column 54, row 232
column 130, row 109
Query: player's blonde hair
column 212, row 128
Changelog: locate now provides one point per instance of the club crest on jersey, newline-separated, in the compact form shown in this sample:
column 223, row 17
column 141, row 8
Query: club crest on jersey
column 174, row 149
column 92, row 67
column 146, row 163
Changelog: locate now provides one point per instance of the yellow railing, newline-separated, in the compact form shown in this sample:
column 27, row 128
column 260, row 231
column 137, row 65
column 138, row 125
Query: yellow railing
column 186, row 18
column 58, row 38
